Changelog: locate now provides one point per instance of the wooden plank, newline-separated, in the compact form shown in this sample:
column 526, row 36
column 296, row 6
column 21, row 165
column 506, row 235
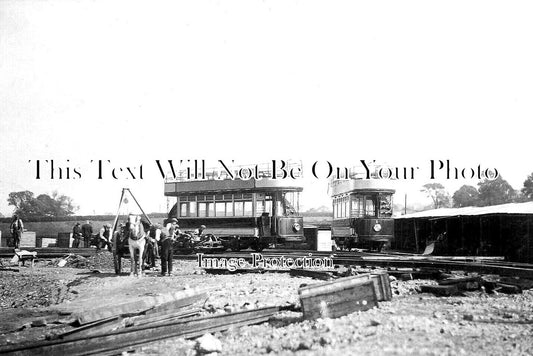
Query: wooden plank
column 165, row 317
column 95, row 328
column 323, row 275
column 447, row 290
column 484, row 268
column 463, row 284
column 341, row 297
column 177, row 304
column 139, row 305
column 520, row 282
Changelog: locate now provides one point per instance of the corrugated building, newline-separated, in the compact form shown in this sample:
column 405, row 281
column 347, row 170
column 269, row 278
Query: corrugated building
column 498, row 230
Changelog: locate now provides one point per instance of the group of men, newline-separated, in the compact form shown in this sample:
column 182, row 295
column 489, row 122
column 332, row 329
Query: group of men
column 165, row 237
column 85, row 232
column 159, row 240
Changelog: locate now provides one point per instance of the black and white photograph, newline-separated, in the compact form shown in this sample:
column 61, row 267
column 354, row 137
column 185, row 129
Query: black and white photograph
column 266, row 177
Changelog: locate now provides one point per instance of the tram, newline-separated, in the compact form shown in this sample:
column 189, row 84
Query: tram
column 251, row 213
column 362, row 213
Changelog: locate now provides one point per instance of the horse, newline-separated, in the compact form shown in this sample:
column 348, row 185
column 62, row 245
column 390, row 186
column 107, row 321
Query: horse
column 136, row 241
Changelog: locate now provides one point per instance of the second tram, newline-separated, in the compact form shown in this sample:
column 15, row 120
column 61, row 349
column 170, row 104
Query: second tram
column 362, row 213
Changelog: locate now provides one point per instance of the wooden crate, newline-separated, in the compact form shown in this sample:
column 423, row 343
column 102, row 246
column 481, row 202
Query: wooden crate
column 28, row 239
column 382, row 283
column 63, row 239
column 338, row 298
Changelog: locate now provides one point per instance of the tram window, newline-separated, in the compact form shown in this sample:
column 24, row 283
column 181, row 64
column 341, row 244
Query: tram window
column 219, row 197
column 248, row 208
column 370, row 206
column 239, row 208
column 357, row 207
column 346, row 207
column 259, row 207
column 183, row 209
column 210, row 209
column 229, row 208
column 220, row 209
column 192, row 209
column 202, row 209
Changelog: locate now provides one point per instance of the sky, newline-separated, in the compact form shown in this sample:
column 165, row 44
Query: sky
column 401, row 83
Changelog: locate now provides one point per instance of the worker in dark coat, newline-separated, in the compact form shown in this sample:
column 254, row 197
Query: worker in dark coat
column 87, row 233
column 151, row 251
column 16, row 227
column 76, row 235
column 104, row 237
column 167, row 237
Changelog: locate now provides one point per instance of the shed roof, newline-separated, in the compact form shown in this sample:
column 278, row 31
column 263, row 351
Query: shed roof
column 511, row 208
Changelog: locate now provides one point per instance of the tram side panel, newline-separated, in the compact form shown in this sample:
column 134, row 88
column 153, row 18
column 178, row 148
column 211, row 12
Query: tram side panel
column 373, row 233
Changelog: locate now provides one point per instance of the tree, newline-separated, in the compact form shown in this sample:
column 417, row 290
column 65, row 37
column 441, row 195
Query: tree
column 467, row 195
column 26, row 206
column 527, row 190
column 24, row 203
column 437, row 193
column 494, row 192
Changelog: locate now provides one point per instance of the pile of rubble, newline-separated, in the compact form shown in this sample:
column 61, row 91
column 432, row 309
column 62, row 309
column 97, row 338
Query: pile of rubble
column 102, row 260
column 29, row 291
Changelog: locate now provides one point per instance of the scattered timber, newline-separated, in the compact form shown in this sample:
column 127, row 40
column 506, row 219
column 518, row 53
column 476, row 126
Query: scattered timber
column 131, row 337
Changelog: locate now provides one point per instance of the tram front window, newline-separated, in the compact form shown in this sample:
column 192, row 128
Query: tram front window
column 370, row 206
column 291, row 202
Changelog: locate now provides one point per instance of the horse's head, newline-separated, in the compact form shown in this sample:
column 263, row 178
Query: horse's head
column 134, row 228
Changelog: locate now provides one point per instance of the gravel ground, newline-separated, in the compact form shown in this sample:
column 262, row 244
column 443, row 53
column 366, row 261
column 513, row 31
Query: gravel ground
column 412, row 323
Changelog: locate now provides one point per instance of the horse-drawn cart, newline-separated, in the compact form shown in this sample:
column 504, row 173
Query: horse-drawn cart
column 128, row 238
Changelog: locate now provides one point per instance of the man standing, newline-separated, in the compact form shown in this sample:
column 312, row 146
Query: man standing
column 87, row 233
column 167, row 235
column 151, row 250
column 76, row 235
column 17, row 227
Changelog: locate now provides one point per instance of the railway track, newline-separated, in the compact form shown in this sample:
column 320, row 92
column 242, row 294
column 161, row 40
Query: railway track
column 391, row 260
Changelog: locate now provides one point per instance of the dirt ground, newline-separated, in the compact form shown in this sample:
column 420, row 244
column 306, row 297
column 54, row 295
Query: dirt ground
column 412, row 323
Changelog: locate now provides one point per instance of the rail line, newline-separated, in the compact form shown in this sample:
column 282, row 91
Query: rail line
column 394, row 260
